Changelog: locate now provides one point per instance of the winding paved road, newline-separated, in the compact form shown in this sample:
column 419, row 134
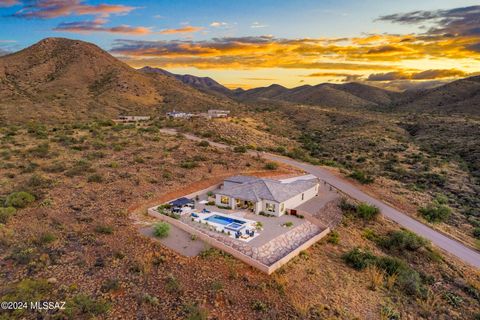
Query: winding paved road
column 446, row 243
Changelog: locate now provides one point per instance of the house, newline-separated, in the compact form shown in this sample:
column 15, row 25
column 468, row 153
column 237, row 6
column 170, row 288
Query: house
column 214, row 113
column 265, row 195
column 178, row 115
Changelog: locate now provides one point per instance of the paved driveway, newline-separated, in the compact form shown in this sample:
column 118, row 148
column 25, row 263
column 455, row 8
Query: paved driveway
column 446, row 243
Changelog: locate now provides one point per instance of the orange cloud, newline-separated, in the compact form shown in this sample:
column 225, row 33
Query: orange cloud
column 379, row 52
column 186, row 29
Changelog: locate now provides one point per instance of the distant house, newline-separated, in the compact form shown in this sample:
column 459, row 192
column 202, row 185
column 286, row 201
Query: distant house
column 214, row 113
column 178, row 115
column 131, row 119
column 267, row 195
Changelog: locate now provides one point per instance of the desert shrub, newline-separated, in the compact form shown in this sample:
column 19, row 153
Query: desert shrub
column 271, row 166
column 45, row 238
column 103, row 229
column 361, row 177
column 366, row 211
column 55, row 167
column 391, row 265
column 82, row 304
column 37, row 130
column 188, row 164
column 19, row 199
column 95, row 155
column 96, row 177
column 36, row 182
column 402, row 240
column 110, row 285
column 333, row 237
column 358, row 259
column 476, row 232
column 258, row 305
column 195, row 312
column 435, row 212
column 410, row 282
column 79, row 168
column 6, row 213
column 203, row 143
column 347, row 207
column 240, row 149
column 147, row 298
column 161, row 229
column 28, row 290
column 40, row 151
column 172, row 285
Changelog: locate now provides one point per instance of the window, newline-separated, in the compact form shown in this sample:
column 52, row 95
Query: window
column 270, row 207
column 225, row 200
column 303, row 196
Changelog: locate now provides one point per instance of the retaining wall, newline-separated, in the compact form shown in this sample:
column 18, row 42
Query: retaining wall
column 237, row 254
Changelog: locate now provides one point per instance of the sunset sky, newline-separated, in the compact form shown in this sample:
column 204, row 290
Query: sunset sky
column 394, row 44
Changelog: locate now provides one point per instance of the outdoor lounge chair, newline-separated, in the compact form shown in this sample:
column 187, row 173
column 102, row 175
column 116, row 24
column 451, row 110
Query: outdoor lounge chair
column 194, row 215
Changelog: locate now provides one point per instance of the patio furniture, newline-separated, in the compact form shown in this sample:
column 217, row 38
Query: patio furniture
column 195, row 215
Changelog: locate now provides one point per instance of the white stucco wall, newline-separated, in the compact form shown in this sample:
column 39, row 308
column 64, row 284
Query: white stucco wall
column 294, row 202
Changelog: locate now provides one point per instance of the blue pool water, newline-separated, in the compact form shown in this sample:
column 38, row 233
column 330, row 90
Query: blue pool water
column 224, row 220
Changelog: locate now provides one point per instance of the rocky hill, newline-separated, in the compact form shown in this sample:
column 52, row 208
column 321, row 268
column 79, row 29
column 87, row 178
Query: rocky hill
column 205, row 84
column 461, row 96
column 325, row 94
column 65, row 79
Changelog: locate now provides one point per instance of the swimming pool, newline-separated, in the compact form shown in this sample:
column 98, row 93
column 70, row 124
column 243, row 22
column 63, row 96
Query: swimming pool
column 223, row 220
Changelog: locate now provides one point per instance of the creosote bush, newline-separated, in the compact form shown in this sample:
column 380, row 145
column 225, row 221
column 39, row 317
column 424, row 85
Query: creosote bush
column 161, row 229
column 19, row 199
column 6, row 213
column 271, row 166
column 435, row 212
column 408, row 279
column 402, row 240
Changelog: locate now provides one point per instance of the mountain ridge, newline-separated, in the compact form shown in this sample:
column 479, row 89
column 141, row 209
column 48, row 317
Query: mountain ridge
column 64, row 79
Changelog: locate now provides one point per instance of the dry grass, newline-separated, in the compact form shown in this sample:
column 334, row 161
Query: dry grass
column 375, row 276
column 390, row 281
column 430, row 302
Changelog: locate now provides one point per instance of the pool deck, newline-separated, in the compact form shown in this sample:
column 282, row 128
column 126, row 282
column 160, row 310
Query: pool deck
column 274, row 245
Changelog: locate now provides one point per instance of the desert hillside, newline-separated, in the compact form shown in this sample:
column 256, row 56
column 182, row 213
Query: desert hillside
column 66, row 79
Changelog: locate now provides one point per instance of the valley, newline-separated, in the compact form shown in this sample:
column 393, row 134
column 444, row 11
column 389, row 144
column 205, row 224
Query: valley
column 74, row 185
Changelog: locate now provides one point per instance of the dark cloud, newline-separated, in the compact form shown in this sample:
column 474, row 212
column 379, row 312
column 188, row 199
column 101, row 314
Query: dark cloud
column 98, row 26
column 402, row 85
column 46, row 9
column 8, row 3
column 463, row 21
column 432, row 74
column 388, row 76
